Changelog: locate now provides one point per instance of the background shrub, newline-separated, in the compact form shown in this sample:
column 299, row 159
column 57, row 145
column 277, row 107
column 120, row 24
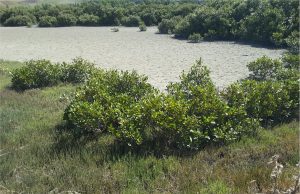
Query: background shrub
column 20, row 20
column 42, row 73
column 66, row 20
column 262, row 25
column 293, row 42
column 149, row 17
column 183, row 28
column 88, row 20
column 131, row 21
column 47, row 21
column 35, row 74
column 195, row 38
column 277, row 39
column 167, row 26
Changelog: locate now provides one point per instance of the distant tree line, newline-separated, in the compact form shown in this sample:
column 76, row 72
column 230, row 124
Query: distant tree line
column 264, row 21
column 95, row 13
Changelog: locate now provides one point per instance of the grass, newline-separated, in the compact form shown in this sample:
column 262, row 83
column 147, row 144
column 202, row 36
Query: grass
column 36, row 158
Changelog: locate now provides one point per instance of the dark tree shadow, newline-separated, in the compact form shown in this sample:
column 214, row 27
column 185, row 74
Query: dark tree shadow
column 232, row 40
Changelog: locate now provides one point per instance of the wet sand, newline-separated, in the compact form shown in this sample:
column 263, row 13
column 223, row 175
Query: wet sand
column 160, row 57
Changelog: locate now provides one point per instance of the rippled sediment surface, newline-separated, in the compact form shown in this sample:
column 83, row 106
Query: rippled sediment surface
column 160, row 57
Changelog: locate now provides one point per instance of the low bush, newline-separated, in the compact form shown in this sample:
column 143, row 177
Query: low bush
column 47, row 21
column 42, row 73
column 142, row 27
column 271, row 93
column 20, row 20
column 270, row 102
column 267, row 69
column 189, row 116
column 264, row 68
column 77, row 72
column 35, row 74
column 195, row 38
column 101, row 104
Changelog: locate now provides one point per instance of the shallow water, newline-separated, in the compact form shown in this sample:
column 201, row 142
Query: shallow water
column 160, row 57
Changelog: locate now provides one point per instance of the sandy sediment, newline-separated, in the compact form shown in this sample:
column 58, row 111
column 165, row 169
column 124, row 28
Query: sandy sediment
column 160, row 57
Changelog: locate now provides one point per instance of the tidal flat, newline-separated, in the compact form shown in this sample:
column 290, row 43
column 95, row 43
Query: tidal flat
column 161, row 57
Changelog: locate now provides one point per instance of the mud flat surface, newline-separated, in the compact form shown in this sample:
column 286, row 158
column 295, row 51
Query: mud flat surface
column 160, row 57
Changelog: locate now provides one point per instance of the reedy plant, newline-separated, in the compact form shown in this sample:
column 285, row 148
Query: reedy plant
column 276, row 172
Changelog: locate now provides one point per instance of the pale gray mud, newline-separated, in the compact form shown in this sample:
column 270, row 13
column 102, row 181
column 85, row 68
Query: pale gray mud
column 160, row 57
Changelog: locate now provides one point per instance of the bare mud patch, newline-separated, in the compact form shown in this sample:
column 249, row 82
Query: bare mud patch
column 160, row 57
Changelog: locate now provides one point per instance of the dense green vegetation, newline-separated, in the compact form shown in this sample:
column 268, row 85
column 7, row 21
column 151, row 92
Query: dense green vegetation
column 271, row 94
column 102, row 13
column 42, row 73
column 190, row 115
column 269, row 22
column 38, row 157
column 264, row 21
